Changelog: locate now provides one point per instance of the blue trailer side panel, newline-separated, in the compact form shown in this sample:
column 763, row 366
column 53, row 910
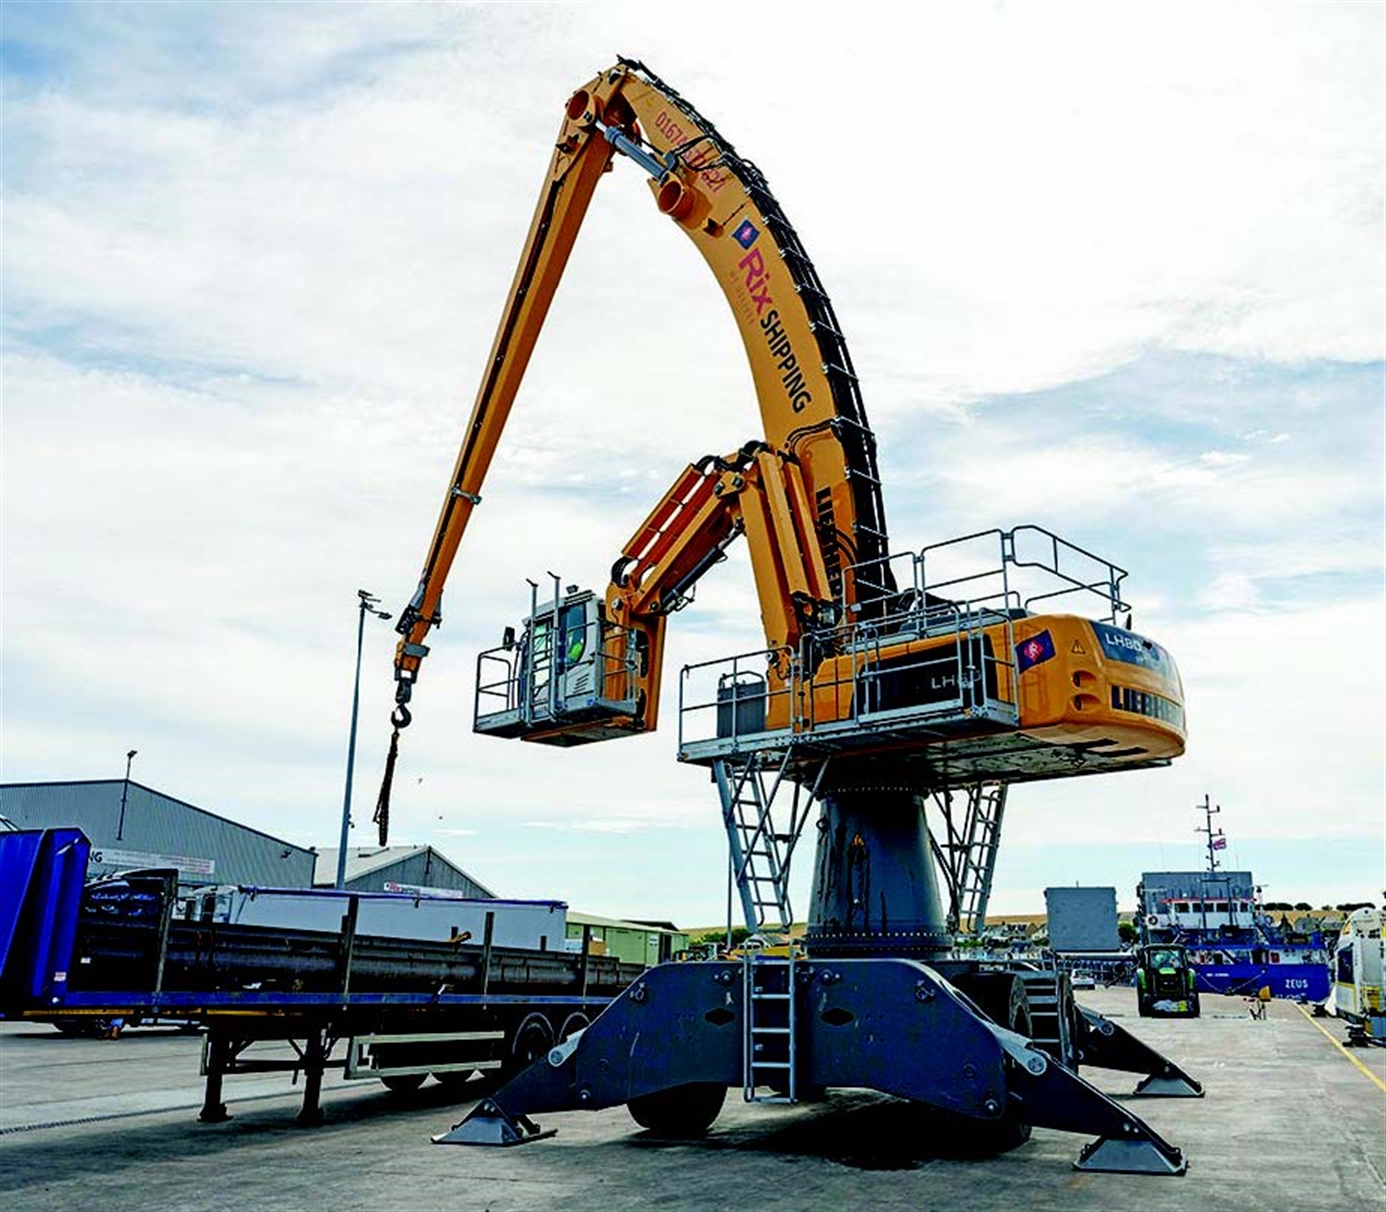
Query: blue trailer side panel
column 42, row 873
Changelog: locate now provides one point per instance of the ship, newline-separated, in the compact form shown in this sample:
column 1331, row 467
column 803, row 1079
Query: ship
column 1234, row 946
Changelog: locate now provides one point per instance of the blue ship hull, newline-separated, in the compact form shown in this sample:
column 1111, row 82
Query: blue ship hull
column 1298, row 982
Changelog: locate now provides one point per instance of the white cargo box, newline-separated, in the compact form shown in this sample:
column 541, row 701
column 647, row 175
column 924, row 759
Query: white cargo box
column 531, row 925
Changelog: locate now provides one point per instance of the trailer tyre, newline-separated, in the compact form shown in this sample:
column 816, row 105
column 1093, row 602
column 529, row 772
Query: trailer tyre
column 403, row 1083
column 466, row 1082
column 681, row 1113
column 575, row 1022
column 532, row 1039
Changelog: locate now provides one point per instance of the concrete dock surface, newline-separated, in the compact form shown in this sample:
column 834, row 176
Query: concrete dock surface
column 1291, row 1121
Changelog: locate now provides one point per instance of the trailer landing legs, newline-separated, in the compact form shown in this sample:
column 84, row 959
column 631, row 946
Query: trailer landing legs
column 216, row 1056
column 222, row 1055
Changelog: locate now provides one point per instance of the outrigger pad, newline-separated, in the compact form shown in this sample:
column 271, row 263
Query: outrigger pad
column 489, row 1124
column 1169, row 1085
column 1107, row 1155
column 1105, row 1045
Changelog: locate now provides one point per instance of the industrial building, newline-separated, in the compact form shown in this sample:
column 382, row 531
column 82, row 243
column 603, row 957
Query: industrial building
column 132, row 826
column 647, row 943
column 397, row 869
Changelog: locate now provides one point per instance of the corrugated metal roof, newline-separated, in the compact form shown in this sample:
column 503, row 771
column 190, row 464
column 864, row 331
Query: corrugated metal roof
column 360, row 860
column 131, row 825
column 591, row 919
column 364, row 860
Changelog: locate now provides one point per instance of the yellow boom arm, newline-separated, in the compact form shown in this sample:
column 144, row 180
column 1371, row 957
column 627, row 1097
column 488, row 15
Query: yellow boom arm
column 815, row 475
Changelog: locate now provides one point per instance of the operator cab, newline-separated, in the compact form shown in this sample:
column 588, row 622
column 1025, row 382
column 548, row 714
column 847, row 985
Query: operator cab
column 566, row 679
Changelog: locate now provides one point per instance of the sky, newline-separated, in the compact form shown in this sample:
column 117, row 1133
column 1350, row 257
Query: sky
column 1116, row 271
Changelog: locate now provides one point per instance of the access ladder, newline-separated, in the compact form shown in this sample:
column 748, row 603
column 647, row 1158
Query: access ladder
column 768, row 1052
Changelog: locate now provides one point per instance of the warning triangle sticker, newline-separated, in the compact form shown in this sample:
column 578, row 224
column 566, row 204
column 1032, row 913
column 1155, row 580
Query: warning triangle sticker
column 1078, row 649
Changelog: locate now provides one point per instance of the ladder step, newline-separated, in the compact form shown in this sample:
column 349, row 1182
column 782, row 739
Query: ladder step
column 756, row 1064
column 769, row 1030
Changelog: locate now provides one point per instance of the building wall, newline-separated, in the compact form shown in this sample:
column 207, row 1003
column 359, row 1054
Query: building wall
column 158, row 830
column 631, row 942
column 426, row 869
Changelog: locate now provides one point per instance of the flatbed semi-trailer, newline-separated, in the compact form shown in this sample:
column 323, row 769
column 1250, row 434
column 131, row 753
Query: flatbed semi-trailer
column 464, row 1010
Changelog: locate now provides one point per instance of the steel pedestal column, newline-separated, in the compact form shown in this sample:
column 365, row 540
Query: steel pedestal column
column 874, row 888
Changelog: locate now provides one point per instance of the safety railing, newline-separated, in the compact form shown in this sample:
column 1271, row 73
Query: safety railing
column 519, row 687
column 739, row 700
column 930, row 645
column 852, row 680
column 1020, row 569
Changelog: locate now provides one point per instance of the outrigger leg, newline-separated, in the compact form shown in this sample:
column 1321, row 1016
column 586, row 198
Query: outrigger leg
column 672, row 1044
column 1104, row 1045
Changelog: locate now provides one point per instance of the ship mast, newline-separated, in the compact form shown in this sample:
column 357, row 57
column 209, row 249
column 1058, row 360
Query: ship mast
column 1217, row 840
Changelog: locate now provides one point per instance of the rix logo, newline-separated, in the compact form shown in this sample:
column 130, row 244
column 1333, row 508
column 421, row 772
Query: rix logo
column 746, row 234
column 757, row 279
column 778, row 342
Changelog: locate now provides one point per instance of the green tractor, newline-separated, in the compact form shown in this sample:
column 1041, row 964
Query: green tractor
column 1165, row 983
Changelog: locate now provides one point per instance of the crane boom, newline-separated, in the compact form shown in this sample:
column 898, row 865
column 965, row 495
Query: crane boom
column 810, row 403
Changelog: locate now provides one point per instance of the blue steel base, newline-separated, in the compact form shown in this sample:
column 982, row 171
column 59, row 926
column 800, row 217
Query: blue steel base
column 892, row 1025
column 1104, row 1045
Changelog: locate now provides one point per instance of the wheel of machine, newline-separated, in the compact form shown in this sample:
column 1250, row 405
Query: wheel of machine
column 403, row 1083
column 1069, row 1013
column 999, row 995
column 532, row 1039
column 681, row 1113
column 1002, row 998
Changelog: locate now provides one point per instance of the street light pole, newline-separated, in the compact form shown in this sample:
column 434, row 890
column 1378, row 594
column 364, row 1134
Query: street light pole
column 367, row 603
column 125, row 795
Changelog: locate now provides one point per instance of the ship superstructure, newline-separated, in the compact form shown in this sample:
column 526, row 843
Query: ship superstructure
column 1234, row 945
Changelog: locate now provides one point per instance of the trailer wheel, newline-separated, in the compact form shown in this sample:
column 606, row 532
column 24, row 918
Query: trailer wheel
column 575, row 1022
column 403, row 1083
column 681, row 1113
column 466, row 1081
column 532, row 1039
column 92, row 1027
